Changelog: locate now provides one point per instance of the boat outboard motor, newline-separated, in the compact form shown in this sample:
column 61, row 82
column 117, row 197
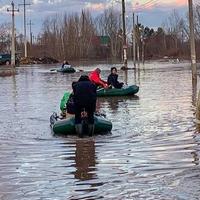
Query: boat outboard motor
column 84, row 128
column 53, row 118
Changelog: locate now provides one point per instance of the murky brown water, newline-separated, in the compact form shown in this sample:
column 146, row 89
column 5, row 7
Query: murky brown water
column 152, row 153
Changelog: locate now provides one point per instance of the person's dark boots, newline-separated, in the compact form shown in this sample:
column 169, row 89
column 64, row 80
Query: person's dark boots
column 79, row 131
column 90, row 129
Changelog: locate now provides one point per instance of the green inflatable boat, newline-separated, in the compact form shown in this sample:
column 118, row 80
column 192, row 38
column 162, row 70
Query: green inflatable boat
column 67, row 126
column 125, row 91
column 66, row 70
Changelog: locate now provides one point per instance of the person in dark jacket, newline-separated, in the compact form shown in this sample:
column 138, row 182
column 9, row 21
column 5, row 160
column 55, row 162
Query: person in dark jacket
column 65, row 64
column 112, row 79
column 84, row 100
column 70, row 106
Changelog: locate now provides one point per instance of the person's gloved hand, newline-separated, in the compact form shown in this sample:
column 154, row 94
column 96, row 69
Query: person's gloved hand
column 106, row 86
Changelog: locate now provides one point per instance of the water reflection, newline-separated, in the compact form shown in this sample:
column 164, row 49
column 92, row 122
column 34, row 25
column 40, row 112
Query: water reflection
column 125, row 76
column 7, row 72
column 194, row 92
column 196, row 153
column 196, row 158
column 151, row 153
column 85, row 159
column 14, row 89
column 114, row 102
column 132, row 75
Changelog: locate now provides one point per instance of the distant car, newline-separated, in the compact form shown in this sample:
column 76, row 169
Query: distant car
column 5, row 59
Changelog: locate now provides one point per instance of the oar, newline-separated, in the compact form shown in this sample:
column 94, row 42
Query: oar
column 109, row 87
column 100, row 89
column 53, row 70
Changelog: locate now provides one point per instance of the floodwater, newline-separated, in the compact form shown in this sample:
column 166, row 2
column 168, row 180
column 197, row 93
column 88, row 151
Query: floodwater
column 152, row 152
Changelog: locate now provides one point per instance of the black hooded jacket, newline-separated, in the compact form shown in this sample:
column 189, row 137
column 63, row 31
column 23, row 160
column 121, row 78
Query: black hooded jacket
column 84, row 92
column 112, row 80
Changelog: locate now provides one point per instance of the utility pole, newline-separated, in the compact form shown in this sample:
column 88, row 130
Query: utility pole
column 124, row 35
column 192, row 42
column 138, row 42
column 134, row 57
column 143, row 43
column 31, row 34
column 142, row 50
column 193, row 61
column 13, row 10
column 25, row 42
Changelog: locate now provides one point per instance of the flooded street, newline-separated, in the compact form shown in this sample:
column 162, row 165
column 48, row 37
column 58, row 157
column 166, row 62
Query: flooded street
column 152, row 152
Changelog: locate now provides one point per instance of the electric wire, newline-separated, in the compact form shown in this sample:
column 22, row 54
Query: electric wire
column 148, row 4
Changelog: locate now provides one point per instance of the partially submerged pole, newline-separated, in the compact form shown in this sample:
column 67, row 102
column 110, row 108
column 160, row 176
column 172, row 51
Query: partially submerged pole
column 25, row 41
column 31, row 37
column 13, row 10
column 138, row 42
column 124, row 35
column 193, row 59
column 134, row 57
column 31, row 34
column 142, row 49
column 192, row 43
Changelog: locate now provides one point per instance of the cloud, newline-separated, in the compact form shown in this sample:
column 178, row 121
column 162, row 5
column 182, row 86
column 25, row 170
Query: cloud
column 151, row 11
column 54, row 1
column 175, row 3
column 3, row 9
column 181, row 2
column 37, row 1
column 95, row 6
column 154, row 4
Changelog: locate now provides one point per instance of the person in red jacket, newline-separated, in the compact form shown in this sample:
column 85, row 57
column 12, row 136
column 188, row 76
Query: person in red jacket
column 94, row 76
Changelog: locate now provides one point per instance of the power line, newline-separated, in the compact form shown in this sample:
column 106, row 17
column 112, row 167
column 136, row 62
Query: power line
column 147, row 4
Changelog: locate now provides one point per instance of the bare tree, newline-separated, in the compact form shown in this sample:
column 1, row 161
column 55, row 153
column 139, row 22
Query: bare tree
column 5, row 37
column 109, row 24
column 67, row 36
column 70, row 36
column 197, row 21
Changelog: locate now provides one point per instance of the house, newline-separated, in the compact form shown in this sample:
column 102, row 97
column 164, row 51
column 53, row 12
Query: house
column 100, row 47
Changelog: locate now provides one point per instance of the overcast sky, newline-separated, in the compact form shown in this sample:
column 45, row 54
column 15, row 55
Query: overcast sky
column 151, row 12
